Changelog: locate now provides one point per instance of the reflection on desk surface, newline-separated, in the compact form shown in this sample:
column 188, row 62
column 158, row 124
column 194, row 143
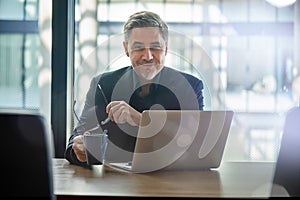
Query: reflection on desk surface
column 231, row 179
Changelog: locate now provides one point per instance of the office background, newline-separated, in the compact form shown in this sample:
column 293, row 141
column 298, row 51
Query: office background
column 49, row 52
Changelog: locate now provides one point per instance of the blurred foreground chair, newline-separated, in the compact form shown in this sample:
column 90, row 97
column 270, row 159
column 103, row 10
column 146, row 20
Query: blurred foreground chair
column 26, row 156
column 286, row 181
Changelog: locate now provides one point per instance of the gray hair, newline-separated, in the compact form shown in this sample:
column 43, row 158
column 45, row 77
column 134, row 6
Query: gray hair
column 145, row 19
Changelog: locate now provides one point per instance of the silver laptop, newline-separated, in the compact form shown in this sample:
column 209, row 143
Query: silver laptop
column 179, row 140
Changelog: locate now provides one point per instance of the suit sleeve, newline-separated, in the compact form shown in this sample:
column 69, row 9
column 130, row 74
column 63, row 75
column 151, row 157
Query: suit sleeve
column 198, row 91
column 88, row 119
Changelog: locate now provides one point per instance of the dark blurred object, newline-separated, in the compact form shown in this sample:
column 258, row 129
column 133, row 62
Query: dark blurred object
column 25, row 156
column 287, row 171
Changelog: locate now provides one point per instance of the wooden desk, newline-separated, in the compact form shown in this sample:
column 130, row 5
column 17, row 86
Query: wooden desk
column 231, row 180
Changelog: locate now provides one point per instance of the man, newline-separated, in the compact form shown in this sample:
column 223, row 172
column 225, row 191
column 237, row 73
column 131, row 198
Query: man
column 122, row 95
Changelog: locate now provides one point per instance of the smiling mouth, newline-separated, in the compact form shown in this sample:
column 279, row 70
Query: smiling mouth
column 147, row 65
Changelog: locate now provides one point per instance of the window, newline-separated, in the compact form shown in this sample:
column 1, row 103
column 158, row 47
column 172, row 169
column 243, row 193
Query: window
column 249, row 65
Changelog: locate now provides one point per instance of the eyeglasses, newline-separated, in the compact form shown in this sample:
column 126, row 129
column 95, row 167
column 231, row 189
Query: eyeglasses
column 75, row 111
column 106, row 103
column 81, row 129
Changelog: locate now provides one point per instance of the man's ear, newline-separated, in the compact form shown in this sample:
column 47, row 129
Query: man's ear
column 166, row 51
column 125, row 48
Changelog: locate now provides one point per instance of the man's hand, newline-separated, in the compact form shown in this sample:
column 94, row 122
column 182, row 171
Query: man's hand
column 78, row 148
column 121, row 112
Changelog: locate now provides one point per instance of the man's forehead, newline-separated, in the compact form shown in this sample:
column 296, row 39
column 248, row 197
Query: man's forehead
column 145, row 34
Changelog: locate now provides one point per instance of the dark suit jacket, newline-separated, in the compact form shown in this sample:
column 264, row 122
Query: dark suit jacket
column 171, row 90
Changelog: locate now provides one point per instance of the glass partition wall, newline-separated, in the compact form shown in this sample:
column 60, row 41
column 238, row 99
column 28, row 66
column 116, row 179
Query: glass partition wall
column 243, row 50
column 248, row 65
